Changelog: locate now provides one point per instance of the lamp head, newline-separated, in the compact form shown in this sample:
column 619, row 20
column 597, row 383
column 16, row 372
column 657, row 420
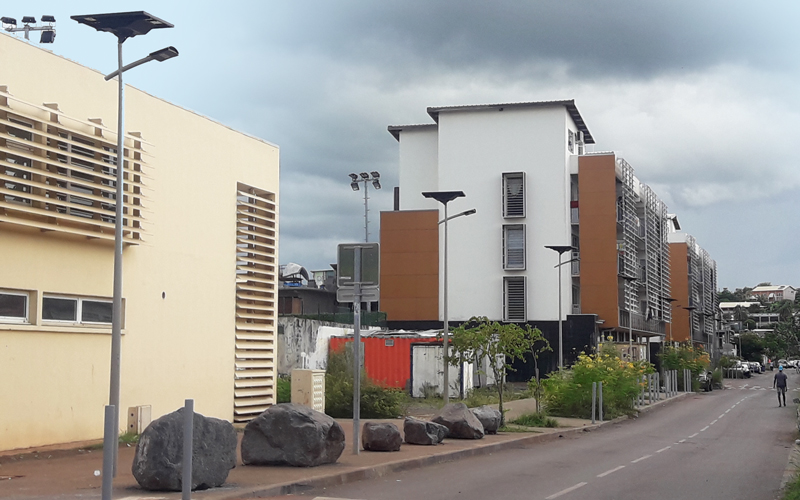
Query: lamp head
column 354, row 185
column 354, row 177
column 375, row 174
column 9, row 20
column 47, row 36
column 376, row 183
column 164, row 54
column 28, row 20
column 364, row 175
column 48, row 19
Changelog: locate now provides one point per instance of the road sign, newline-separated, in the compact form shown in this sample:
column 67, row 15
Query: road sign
column 368, row 294
column 370, row 264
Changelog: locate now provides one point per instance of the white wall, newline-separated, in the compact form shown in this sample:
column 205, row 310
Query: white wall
column 474, row 149
column 418, row 157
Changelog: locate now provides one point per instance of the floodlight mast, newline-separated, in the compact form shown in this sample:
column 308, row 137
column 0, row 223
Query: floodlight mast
column 364, row 177
column 48, row 32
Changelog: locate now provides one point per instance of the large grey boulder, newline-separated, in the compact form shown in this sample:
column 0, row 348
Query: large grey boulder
column 460, row 422
column 291, row 434
column 158, row 461
column 418, row 431
column 377, row 436
column 489, row 417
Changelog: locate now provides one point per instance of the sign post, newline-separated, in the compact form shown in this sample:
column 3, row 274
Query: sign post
column 361, row 281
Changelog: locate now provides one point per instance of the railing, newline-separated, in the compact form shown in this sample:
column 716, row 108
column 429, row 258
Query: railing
column 641, row 323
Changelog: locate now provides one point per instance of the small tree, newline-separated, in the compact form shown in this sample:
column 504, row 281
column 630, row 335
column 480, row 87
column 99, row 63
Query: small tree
column 480, row 338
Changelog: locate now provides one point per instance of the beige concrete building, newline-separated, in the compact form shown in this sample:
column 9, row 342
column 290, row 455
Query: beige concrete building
column 201, row 232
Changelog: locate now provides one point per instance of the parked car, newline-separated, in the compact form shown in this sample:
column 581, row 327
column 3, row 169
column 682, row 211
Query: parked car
column 755, row 367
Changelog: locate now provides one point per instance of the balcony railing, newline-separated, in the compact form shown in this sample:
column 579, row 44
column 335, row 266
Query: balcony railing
column 641, row 323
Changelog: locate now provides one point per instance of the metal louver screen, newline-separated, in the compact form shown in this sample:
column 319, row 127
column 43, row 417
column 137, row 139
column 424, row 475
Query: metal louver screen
column 57, row 173
column 514, row 298
column 514, row 247
column 256, row 288
column 514, row 195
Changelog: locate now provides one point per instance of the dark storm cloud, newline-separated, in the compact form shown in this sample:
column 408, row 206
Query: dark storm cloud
column 603, row 38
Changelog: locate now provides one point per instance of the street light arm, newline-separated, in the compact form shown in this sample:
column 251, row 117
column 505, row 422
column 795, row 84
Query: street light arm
column 159, row 55
column 576, row 259
column 464, row 213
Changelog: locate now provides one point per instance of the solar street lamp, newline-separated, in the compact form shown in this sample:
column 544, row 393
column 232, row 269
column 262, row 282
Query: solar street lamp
column 561, row 249
column 123, row 25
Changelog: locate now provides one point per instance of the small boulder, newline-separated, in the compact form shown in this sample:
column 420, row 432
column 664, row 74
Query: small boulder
column 418, row 431
column 460, row 422
column 489, row 417
column 158, row 461
column 292, row 434
column 381, row 437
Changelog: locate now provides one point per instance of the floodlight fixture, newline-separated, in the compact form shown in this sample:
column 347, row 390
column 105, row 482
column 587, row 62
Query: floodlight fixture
column 354, row 177
column 364, row 175
column 9, row 20
column 28, row 19
column 376, row 183
column 354, row 185
column 375, row 174
column 47, row 36
column 48, row 19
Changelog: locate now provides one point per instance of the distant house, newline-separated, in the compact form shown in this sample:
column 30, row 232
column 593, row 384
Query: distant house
column 773, row 293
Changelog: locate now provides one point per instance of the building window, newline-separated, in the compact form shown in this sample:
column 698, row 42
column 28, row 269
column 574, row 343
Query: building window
column 571, row 141
column 76, row 310
column 514, row 194
column 514, row 247
column 13, row 307
column 514, row 299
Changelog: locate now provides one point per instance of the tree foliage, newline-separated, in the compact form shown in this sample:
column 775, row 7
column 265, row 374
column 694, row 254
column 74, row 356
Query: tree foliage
column 480, row 338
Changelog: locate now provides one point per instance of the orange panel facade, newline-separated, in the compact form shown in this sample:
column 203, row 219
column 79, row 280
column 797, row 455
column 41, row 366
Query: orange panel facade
column 598, row 237
column 679, row 329
column 410, row 265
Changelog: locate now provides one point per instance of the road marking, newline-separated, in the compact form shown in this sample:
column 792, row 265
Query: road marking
column 704, row 429
column 615, row 469
column 683, row 440
column 693, row 435
column 720, row 416
column 664, row 449
column 564, row 492
column 713, row 422
column 641, row 458
column 726, row 411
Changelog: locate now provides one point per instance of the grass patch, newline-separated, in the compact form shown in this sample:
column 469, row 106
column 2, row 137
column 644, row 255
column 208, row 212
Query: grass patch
column 284, row 389
column 535, row 420
column 128, row 438
column 792, row 491
column 518, row 428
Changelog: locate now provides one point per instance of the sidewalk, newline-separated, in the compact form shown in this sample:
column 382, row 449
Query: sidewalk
column 56, row 472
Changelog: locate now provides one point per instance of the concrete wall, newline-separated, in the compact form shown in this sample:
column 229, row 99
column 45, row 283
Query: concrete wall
column 179, row 286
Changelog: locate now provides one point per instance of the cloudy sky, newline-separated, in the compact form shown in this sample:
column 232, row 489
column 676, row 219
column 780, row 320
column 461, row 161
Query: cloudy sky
column 700, row 97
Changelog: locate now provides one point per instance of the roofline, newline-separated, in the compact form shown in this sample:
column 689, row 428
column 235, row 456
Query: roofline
column 396, row 129
column 569, row 104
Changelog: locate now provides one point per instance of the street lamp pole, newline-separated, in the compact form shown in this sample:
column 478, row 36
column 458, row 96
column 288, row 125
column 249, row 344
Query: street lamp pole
column 445, row 197
column 123, row 25
column 561, row 249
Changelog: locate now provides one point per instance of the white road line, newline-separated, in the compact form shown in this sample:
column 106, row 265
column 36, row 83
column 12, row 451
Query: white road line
column 720, row 416
column 693, row 435
column 641, row 458
column 664, row 449
column 564, row 492
column 712, row 423
column 683, row 440
column 615, row 469
column 704, row 429
column 726, row 411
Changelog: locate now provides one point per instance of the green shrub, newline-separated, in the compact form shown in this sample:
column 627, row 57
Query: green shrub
column 568, row 393
column 376, row 401
column 284, row 390
column 535, row 420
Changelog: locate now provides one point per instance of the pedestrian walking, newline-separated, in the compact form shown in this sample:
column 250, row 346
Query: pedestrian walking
column 779, row 382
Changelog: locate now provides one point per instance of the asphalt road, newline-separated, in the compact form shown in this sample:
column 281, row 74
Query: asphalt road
column 729, row 444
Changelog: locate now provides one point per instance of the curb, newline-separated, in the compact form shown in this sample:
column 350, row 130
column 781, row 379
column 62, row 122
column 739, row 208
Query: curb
column 372, row 472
